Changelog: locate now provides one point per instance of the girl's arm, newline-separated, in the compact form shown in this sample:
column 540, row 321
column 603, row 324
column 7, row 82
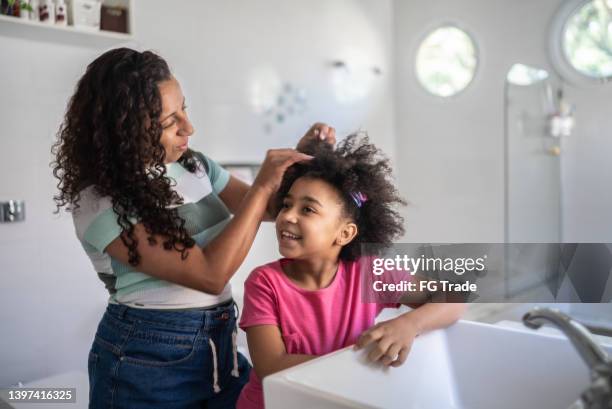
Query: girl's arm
column 209, row 269
column 393, row 339
column 268, row 351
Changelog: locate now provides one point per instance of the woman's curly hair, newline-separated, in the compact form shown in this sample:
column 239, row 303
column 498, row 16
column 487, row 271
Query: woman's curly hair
column 110, row 140
column 354, row 166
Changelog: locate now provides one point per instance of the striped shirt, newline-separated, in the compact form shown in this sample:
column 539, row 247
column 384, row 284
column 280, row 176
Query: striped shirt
column 205, row 216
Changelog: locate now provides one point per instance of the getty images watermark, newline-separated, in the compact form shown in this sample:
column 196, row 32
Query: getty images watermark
column 483, row 272
column 423, row 265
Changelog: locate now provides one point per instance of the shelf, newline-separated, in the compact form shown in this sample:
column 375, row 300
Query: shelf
column 36, row 31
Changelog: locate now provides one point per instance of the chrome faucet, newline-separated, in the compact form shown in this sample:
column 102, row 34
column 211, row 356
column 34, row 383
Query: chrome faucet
column 599, row 394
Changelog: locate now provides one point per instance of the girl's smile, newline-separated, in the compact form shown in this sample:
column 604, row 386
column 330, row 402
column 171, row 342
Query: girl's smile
column 288, row 236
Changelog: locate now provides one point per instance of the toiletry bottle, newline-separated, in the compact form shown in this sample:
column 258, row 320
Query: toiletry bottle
column 16, row 8
column 46, row 11
column 23, row 10
column 61, row 17
column 34, row 10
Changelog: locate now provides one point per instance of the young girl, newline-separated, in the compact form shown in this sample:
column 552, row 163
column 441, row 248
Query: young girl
column 309, row 303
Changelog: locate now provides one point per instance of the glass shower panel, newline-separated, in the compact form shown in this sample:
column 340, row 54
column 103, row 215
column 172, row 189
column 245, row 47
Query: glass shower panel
column 533, row 172
column 533, row 179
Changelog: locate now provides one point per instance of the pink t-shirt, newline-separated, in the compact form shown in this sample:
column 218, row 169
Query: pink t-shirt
column 311, row 322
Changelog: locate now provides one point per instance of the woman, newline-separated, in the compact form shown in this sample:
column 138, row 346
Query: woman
column 154, row 218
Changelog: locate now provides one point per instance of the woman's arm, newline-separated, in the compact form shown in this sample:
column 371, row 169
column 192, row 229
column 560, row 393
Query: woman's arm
column 268, row 352
column 209, row 269
column 236, row 190
column 393, row 339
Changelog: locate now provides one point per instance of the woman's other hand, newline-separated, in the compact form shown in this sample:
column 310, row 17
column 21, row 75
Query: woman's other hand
column 274, row 166
column 391, row 340
column 319, row 132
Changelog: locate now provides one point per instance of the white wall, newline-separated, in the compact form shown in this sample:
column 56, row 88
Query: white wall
column 50, row 299
column 450, row 152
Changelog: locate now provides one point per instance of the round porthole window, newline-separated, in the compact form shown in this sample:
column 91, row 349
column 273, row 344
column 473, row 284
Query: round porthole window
column 587, row 40
column 582, row 40
column 446, row 61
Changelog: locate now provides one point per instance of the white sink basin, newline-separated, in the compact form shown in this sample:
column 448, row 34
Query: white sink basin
column 468, row 366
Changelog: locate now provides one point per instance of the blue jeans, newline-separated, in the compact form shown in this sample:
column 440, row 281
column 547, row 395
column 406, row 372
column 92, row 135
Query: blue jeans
column 166, row 359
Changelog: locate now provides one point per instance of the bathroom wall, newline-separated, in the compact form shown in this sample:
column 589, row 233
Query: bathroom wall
column 450, row 151
column 49, row 298
column 233, row 59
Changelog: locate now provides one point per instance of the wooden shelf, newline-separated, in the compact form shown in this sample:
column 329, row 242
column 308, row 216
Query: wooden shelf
column 36, row 31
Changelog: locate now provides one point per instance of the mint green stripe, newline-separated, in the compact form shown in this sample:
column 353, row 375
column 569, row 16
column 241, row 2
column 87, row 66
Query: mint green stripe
column 103, row 230
column 175, row 170
column 203, row 238
column 222, row 180
column 206, row 213
column 131, row 278
column 149, row 284
column 121, row 269
column 89, row 249
column 217, row 175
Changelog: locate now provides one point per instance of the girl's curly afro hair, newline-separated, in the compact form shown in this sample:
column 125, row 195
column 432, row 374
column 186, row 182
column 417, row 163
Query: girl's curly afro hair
column 354, row 166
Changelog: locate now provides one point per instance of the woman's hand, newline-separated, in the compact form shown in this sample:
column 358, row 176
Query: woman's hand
column 392, row 340
column 319, row 132
column 274, row 166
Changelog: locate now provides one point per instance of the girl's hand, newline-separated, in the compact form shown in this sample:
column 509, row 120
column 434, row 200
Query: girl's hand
column 392, row 340
column 274, row 166
column 319, row 132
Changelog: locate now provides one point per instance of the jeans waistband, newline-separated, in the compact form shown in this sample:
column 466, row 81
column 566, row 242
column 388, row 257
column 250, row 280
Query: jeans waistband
column 185, row 318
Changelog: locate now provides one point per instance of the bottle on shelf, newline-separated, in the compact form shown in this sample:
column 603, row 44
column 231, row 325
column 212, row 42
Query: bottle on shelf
column 34, row 10
column 24, row 9
column 61, row 16
column 46, row 11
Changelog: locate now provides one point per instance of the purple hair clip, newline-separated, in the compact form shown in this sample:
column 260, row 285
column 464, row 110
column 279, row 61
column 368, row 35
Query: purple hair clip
column 359, row 198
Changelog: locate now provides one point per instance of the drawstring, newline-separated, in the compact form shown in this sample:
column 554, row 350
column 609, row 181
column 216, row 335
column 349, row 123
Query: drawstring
column 235, row 372
column 216, row 387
